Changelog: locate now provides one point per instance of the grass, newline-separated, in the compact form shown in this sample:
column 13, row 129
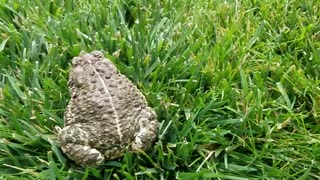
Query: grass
column 235, row 85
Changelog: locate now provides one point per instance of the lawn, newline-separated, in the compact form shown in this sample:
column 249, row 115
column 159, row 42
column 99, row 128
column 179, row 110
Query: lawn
column 235, row 84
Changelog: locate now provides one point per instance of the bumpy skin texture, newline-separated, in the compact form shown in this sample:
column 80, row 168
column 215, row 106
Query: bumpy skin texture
column 106, row 114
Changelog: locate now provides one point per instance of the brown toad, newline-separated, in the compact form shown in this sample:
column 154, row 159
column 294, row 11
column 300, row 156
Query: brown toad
column 106, row 114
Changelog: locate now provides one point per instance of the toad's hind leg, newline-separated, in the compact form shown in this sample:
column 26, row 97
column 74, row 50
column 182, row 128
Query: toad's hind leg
column 82, row 154
column 74, row 143
column 148, row 128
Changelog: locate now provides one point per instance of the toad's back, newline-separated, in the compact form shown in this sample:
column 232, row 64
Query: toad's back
column 104, row 102
column 106, row 114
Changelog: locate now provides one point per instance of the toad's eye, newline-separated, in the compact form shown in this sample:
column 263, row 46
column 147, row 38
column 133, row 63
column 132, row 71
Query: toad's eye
column 97, row 54
column 76, row 61
column 78, row 76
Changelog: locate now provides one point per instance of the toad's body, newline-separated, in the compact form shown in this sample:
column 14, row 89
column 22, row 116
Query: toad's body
column 106, row 114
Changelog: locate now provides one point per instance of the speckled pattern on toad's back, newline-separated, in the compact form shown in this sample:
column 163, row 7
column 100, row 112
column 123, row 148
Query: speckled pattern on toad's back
column 106, row 111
